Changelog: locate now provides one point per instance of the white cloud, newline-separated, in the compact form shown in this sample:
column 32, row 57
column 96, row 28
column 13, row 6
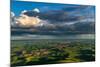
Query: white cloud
column 36, row 10
column 23, row 11
column 12, row 14
column 27, row 21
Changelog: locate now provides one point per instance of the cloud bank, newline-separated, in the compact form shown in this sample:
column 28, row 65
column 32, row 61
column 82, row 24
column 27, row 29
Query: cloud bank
column 68, row 20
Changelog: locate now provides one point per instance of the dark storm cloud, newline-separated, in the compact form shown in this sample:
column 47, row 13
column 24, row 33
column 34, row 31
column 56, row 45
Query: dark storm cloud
column 66, row 14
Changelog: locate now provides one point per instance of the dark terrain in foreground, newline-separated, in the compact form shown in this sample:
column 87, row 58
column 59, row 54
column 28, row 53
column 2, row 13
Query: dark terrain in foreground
column 51, row 51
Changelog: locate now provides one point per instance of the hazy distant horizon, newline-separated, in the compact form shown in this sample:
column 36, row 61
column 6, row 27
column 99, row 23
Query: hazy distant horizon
column 77, row 36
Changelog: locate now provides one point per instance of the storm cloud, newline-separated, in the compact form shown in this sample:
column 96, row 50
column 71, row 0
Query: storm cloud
column 67, row 20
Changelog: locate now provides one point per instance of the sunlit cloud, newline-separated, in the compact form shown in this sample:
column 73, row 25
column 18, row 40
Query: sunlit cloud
column 27, row 21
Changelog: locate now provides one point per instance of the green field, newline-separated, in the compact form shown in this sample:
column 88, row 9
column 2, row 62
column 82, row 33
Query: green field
column 46, row 51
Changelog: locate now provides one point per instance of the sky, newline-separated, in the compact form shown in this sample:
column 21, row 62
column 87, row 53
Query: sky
column 55, row 18
column 18, row 6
